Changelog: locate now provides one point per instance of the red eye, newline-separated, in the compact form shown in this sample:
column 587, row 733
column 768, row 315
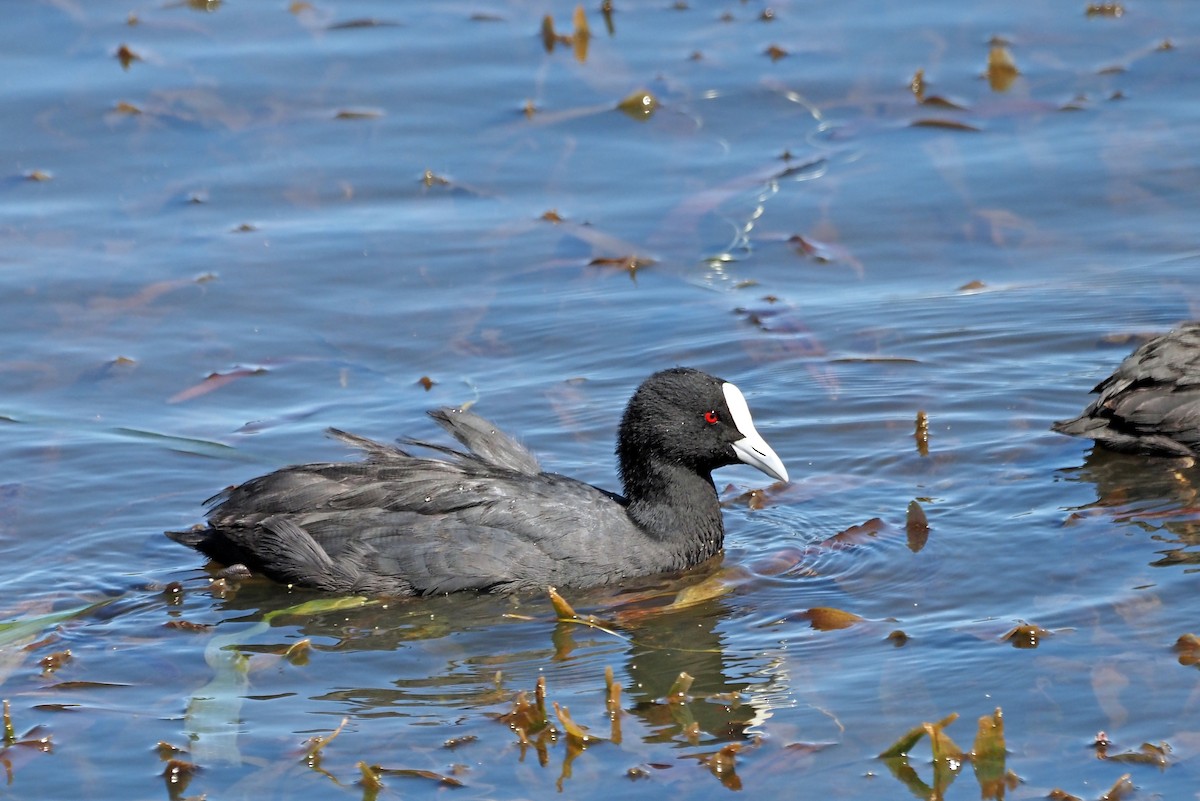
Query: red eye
column 711, row 418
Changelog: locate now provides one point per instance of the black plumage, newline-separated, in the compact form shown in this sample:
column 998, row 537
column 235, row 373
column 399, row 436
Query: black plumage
column 1151, row 403
column 488, row 518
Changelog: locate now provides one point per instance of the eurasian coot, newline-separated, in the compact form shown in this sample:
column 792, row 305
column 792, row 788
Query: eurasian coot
column 1151, row 404
column 488, row 518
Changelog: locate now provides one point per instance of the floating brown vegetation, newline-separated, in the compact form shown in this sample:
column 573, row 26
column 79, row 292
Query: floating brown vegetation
column 187, row 625
column 426, row 383
column 36, row 739
column 177, row 774
column 1145, row 754
column 1002, row 70
column 1025, row 635
column 1188, row 648
column 356, row 24
column 827, row 618
column 358, row 114
column 775, row 52
column 630, row 264
column 950, row 125
column 38, row 176
column 577, row 40
column 916, row 526
column 723, row 765
column 1113, row 10
column 917, row 86
column 215, row 381
column 987, row 757
column 54, row 661
column 371, row 778
column 126, row 56
column 921, row 433
column 640, row 105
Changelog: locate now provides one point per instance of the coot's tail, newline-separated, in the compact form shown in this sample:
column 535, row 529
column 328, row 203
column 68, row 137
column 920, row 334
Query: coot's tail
column 194, row 537
column 1082, row 426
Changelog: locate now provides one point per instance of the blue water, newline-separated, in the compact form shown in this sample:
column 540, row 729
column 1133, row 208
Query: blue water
column 321, row 215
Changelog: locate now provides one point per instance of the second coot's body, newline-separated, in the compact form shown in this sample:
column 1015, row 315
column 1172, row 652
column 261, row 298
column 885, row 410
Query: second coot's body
column 1151, row 403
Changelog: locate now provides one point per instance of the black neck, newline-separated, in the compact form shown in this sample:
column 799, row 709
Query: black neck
column 675, row 505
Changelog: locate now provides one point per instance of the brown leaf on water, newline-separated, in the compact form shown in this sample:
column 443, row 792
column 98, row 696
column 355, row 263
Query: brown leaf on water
column 314, row 745
column 827, row 618
column 722, row 763
column 38, row 176
column 1188, row 648
column 715, row 586
column 679, row 689
column 1105, row 10
column 904, row 744
column 917, row 85
column 937, row 101
column 1001, row 68
column 612, row 703
column 921, row 433
column 86, row 685
column 167, row 751
column 127, row 108
column 916, row 526
column 551, row 216
column 562, row 609
column 972, row 286
column 775, row 52
column 581, row 36
column 1062, row 795
column 363, row 22
column 358, row 114
column 1025, row 635
column 989, row 738
column 572, row 729
column 126, row 56
column 1146, row 754
column 640, row 105
column 187, row 625
column 950, row 125
column 426, row 382
column 54, row 661
column 178, row 774
column 812, row 248
column 455, row 742
column 944, row 749
column 854, row 535
column 897, row 638
column 214, row 381
column 298, row 652
column 549, row 37
column 369, row 778
column 1122, row 788
column 412, row 773
column 299, row 7
column 988, row 756
column 432, row 179
column 525, row 718
column 630, row 264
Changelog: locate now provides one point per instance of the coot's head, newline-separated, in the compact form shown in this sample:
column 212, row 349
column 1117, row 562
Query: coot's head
column 687, row 417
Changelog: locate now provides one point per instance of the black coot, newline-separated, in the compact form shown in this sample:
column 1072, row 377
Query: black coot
column 1151, row 404
column 489, row 518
